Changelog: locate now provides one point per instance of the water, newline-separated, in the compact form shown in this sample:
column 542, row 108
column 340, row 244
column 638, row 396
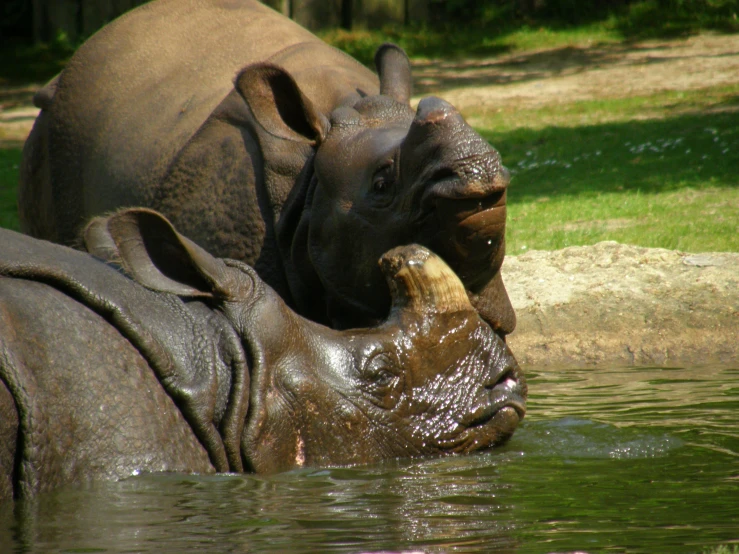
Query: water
column 621, row 460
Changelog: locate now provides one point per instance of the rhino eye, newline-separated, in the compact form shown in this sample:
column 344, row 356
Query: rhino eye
column 378, row 371
column 380, row 185
column 383, row 184
column 382, row 381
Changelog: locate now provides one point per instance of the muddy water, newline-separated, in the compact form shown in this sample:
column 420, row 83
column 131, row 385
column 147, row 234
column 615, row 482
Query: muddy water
column 621, row 460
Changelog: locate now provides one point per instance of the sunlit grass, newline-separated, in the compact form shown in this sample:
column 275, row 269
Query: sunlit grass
column 690, row 220
column 540, row 37
column 723, row 549
column 616, row 108
column 658, row 171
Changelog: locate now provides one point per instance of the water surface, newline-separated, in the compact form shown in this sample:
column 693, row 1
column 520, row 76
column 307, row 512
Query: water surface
column 620, row 460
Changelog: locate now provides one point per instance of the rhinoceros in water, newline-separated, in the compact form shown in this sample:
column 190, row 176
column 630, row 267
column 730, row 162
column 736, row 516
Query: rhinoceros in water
column 174, row 360
column 262, row 143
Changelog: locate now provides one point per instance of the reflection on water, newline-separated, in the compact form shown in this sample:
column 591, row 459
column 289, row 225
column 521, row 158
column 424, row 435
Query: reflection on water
column 629, row 460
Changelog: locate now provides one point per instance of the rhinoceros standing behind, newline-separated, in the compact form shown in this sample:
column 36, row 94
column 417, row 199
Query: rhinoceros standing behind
column 204, row 368
column 264, row 144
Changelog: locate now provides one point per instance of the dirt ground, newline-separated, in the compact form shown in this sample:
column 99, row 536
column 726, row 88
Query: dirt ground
column 532, row 78
column 570, row 74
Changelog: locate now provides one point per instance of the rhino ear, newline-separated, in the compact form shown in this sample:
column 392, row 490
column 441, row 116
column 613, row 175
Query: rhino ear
column 153, row 253
column 394, row 70
column 279, row 105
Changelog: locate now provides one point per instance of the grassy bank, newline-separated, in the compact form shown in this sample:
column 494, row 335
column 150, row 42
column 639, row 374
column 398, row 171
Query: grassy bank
column 591, row 171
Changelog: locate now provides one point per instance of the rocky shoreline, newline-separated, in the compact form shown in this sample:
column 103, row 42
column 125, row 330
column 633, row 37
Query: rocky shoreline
column 612, row 304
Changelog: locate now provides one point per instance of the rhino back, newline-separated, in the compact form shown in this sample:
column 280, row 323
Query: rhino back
column 135, row 93
column 88, row 404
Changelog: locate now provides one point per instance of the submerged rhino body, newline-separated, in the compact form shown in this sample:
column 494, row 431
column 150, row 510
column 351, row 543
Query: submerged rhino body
column 174, row 360
column 264, row 144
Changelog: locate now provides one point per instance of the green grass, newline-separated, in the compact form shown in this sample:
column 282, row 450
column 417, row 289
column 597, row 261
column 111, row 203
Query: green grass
column 10, row 159
column 657, row 106
column 588, row 172
column 723, row 549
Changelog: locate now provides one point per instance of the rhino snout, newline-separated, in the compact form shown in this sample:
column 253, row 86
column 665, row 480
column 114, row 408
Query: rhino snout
column 473, row 181
column 447, row 160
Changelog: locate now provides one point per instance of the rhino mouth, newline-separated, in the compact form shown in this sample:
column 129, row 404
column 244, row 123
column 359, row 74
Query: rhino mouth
column 475, row 204
column 508, row 392
column 495, row 421
column 493, row 416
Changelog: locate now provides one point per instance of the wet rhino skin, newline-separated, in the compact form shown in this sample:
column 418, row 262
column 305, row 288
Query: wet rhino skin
column 154, row 355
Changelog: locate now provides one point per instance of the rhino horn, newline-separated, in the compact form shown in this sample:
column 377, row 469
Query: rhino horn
column 422, row 282
column 394, row 70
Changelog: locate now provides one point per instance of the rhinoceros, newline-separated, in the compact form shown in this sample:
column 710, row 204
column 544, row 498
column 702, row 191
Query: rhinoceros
column 262, row 143
column 154, row 355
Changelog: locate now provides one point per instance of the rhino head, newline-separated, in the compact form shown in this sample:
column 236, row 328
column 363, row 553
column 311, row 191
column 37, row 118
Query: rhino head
column 382, row 174
column 432, row 378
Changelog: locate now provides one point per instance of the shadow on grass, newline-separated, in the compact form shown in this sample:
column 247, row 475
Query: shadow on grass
column 652, row 156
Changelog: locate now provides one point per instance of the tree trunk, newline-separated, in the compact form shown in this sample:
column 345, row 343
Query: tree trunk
column 346, row 14
column 287, row 8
